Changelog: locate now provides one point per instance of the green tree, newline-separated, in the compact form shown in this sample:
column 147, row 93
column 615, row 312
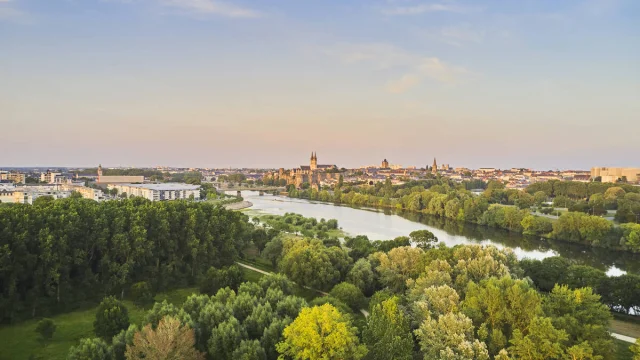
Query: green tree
column 46, row 328
column 249, row 350
column 450, row 337
column 361, row 275
column 387, row 334
column 120, row 342
column 90, row 349
column 499, row 307
column 582, row 316
column 141, row 293
column 539, row 197
column 423, row 239
column 321, row 332
column 272, row 335
column 216, row 279
column 541, row 341
column 111, row 318
column 310, row 263
column 225, row 338
column 348, row 294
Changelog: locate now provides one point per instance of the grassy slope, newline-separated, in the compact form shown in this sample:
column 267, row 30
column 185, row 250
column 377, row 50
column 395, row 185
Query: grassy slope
column 19, row 341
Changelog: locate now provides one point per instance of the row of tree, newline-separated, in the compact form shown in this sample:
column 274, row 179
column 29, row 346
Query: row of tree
column 575, row 189
column 55, row 254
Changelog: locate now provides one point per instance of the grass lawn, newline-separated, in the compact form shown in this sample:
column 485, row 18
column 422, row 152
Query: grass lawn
column 625, row 327
column 622, row 350
column 19, row 341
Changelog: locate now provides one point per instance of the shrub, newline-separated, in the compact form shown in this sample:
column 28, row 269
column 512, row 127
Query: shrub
column 111, row 318
column 46, row 328
column 141, row 293
column 216, row 279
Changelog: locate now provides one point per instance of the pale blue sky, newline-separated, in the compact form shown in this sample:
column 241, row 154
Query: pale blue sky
column 542, row 84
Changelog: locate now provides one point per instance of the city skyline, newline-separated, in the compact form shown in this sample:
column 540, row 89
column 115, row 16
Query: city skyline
column 203, row 83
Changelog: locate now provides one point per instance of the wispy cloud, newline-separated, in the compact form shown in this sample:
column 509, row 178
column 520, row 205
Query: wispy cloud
column 458, row 35
column 199, row 7
column 416, row 68
column 405, row 83
column 212, row 7
column 9, row 12
column 422, row 8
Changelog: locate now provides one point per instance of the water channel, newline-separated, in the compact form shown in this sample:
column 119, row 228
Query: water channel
column 382, row 225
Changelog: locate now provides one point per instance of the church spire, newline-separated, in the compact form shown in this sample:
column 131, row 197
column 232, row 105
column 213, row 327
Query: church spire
column 434, row 168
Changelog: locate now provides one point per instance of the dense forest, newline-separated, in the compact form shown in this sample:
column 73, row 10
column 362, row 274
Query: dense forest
column 55, row 254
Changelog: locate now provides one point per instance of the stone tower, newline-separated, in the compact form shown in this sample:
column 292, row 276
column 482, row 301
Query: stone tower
column 99, row 172
column 314, row 161
column 434, row 167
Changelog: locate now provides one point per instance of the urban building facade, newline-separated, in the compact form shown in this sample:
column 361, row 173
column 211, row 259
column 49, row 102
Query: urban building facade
column 124, row 179
column 159, row 192
column 614, row 174
column 52, row 178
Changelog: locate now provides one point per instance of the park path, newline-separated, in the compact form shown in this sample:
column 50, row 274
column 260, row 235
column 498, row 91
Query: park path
column 363, row 311
column 628, row 339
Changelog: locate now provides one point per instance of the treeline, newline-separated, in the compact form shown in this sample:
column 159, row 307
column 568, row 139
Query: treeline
column 148, row 173
column 619, row 293
column 576, row 190
column 55, row 254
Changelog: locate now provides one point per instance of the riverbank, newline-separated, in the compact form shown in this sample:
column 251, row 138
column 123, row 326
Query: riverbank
column 387, row 224
column 571, row 227
column 238, row 205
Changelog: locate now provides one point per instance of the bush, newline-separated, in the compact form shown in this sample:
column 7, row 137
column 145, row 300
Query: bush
column 111, row 318
column 141, row 293
column 217, row 279
column 46, row 328
column 90, row 349
column 348, row 294
column 342, row 307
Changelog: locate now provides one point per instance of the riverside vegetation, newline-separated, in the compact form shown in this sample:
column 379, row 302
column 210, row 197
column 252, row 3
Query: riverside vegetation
column 509, row 209
column 426, row 301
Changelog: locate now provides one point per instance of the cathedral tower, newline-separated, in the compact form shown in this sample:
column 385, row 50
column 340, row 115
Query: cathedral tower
column 314, row 161
column 434, row 167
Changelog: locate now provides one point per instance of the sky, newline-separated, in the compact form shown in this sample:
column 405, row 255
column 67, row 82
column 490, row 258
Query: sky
column 541, row 84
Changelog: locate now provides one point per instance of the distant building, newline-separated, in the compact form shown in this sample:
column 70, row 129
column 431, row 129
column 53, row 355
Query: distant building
column 51, row 178
column 86, row 192
column 312, row 174
column 117, row 179
column 159, row 192
column 434, row 167
column 613, row 174
column 385, row 164
column 15, row 177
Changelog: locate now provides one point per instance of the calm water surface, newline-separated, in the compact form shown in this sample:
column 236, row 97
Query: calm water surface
column 383, row 225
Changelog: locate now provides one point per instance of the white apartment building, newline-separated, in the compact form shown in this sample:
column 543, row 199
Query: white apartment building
column 158, row 192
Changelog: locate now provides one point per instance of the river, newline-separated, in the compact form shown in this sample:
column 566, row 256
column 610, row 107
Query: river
column 383, row 225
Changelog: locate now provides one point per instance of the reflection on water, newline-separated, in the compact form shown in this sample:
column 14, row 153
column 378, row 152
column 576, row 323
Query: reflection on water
column 381, row 225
